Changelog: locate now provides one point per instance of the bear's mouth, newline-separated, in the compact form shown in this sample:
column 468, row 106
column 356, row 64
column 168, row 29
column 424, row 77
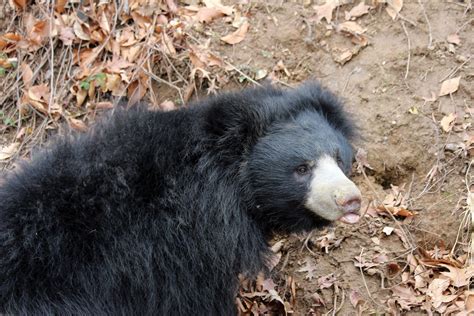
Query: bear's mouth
column 350, row 218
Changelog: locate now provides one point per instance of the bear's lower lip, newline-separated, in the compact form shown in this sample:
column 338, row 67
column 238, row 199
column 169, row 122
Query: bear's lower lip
column 350, row 218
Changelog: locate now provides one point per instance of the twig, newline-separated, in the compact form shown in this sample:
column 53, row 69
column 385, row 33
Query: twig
column 365, row 282
column 464, row 221
column 309, row 37
column 178, row 73
column 285, row 262
column 463, row 26
column 305, row 244
column 241, row 73
column 356, row 69
column 288, row 85
column 155, row 77
column 469, row 213
column 406, row 20
column 430, row 41
column 51, row 60
column 409, row 49
column 454, row 71
column 343, row 298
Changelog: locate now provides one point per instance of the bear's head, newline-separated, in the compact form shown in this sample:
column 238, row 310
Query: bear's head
column 293, row 151
column 298, row 174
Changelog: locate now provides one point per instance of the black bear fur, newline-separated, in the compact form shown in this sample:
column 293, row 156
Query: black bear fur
column 149, row 213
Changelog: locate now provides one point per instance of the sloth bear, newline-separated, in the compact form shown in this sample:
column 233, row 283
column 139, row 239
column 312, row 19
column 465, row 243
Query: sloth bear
column 156, row 213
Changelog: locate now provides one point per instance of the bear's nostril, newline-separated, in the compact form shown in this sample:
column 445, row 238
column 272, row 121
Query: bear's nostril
column 351, row 205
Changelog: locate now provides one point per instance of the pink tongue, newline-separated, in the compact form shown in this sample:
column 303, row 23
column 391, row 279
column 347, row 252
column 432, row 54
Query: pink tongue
column 350, row 218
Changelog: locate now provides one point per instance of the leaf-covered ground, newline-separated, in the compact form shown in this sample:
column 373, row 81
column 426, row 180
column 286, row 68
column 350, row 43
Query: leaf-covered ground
column 404, row 69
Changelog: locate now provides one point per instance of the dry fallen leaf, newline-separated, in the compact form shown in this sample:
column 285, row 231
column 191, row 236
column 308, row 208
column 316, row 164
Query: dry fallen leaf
column 66, row 35
column 350, row 27
column 212, row 3
column 469, row 301
column 449, row 86
column 112, row 83
column 201, row 57
column 326, row 281
column 394, row 7
column 375, row 240
column 137, row 89
column 421, row 277
column 8, row 150
column 80, row 33
column 454, row 39
column 104, row 23
column 37, row 31
column 117, row 64
column 406, row 297
column 238, row 19
column 436, row 292
column 325, row 11
column 206, row 15
column 38, row 97
column 216, row 4
column 168, row 45
column 77, row 125
column 328, row 241
column 8, row 42
column 343, row 55
column 19, row 4
column 309, row 268
column 60, row 5
column 395, row 210
column 358, row 11
column 355, row 298
column 447, row 122
column 318, row 300
column 238, row 36
column 459, row 276
column 81, row 95
column 26, row 74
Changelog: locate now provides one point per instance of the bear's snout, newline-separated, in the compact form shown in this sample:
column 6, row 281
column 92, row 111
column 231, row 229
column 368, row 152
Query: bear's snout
column 348, row 201
column 332, row 195
column 351, row 205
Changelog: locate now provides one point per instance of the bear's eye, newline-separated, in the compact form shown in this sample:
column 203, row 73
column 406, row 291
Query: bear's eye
column 339, row 160
column 302, row 170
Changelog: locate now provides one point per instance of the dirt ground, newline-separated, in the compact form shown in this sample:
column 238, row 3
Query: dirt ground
column 413, row 156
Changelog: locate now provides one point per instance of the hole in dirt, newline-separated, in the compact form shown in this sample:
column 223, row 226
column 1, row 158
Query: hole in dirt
column 392, row 176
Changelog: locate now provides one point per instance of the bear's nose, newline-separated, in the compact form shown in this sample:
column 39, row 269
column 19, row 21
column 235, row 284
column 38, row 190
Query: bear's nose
column 351, row 205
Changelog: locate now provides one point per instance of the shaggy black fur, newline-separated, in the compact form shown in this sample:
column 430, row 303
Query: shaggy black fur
column 156, row 213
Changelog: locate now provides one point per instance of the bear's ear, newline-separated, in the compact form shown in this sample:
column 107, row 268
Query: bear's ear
column 233, row 124
column 220, row 118
column 325, row 102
